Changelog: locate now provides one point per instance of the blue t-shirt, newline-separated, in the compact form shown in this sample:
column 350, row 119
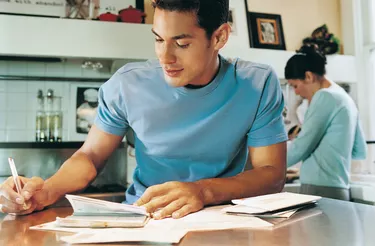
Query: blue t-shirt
column 186, row 134
column 330, row 138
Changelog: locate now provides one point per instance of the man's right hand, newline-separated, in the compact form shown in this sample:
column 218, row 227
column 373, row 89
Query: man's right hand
column 32, row 197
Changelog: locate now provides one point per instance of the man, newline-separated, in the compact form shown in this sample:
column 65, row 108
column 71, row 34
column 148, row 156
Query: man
column 197, row 117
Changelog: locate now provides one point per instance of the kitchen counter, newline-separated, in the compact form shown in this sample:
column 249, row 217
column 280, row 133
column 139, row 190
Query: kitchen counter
column 45, row 145
column 339, row 223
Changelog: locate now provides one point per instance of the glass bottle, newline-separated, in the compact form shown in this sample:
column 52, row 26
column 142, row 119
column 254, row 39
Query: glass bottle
column 40, row 134
column 57, row 118
column 49, row 116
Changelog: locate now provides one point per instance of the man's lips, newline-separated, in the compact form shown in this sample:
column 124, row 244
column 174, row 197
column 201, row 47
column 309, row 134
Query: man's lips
column 173, row 72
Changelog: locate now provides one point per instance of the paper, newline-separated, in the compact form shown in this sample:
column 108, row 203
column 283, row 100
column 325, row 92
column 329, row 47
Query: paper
column 53, row 226
column 166, row 231
column 94, row 213
column 84, row 205
column 243, row 210
column 129, row 221
column 126, row 235
column 211, row 218
column 272, row 202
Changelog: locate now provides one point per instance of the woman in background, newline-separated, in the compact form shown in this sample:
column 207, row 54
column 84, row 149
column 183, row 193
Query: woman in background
column 331, row 133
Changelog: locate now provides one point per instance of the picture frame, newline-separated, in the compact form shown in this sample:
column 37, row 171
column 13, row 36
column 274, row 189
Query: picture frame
column 79, row 105
column 265, row 31
column 237, row 19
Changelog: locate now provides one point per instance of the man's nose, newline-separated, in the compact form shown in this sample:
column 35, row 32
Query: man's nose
column 166, row 55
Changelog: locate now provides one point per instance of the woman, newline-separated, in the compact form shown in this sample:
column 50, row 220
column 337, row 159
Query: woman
column 331, row 133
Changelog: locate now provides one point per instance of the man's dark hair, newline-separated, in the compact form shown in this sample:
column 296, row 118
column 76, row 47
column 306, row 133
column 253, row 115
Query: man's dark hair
column 211, row 14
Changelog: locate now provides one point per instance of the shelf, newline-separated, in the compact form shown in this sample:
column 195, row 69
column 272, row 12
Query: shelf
column 340, row 68
column 65, row 38
column 52, row 37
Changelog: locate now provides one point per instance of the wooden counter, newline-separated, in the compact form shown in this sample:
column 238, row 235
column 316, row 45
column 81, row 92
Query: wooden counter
column 339, row 223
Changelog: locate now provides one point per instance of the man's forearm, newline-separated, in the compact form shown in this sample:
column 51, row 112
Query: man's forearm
column 250, row 183
column 74, row 175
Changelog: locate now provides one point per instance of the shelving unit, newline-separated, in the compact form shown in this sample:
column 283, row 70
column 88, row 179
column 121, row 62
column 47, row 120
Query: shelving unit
column 54, row 37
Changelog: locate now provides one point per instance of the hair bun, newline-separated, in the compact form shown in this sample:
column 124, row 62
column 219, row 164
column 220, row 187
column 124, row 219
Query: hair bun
column 313, row 51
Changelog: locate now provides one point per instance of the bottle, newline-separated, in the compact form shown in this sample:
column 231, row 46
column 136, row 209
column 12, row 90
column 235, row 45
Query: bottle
column 40, row 135
column 49, row 116
column 57, row 118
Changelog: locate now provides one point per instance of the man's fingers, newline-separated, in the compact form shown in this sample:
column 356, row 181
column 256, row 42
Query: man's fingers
column 185, row 210
column 29, row 210
column 169, row 209
column 33, row 185
column 10, row 194
column 11, row 207
column 156, row 203
column 149, row 194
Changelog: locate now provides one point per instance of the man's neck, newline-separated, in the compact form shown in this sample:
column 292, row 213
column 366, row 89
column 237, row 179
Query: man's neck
column 216, row 71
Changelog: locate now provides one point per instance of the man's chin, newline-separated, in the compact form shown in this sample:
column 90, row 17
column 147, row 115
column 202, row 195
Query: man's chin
column 175, row 82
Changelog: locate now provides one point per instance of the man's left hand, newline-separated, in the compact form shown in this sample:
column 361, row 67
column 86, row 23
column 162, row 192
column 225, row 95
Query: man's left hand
column 175, row 199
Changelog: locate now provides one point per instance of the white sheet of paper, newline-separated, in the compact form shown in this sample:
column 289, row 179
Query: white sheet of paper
column 53, row 226
column 243, row 210
column 275, row 201
column 211, row 218
column 126, row 235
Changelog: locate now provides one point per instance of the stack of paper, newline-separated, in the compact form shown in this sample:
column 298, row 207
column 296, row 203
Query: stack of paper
column 279, row 205
column 87, row 212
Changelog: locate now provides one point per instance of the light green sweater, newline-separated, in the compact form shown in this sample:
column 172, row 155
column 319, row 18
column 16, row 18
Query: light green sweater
column 330, row 138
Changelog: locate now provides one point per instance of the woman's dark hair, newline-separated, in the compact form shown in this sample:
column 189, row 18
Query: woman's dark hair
column 211, row 14
column 308, row 58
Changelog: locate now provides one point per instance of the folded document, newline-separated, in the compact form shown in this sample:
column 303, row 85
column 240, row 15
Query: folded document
column 89, row 212
column 279, row 205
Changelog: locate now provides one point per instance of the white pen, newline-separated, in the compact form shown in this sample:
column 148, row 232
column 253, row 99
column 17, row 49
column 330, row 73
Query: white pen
column 16, row 179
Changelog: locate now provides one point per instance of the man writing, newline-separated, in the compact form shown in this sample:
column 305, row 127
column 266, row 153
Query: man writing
column 197, row 116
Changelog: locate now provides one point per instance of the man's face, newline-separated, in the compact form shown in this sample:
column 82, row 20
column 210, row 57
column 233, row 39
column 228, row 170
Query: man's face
column 182, row 47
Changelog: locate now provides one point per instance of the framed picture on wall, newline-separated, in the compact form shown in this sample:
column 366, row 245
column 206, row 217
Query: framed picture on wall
column 82, row 109
column 265, row 31
column 237, row 20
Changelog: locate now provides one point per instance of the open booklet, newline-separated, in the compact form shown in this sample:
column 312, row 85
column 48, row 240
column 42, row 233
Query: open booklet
column 278, row 205
column 89, row 212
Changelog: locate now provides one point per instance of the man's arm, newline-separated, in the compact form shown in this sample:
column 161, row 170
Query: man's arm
column 78, row 171
column 267, row 176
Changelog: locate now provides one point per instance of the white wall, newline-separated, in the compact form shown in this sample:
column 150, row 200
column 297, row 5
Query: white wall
column 18, row 98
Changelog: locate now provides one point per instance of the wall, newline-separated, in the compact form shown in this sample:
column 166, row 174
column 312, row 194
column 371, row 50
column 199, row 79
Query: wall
column 301, row 17
column 18, row 98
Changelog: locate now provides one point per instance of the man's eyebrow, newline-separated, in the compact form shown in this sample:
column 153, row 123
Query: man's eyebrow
column 181, row 36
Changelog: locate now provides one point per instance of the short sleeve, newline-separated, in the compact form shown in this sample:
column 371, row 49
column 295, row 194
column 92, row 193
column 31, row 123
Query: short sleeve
column 268, row 127
column 111, row 116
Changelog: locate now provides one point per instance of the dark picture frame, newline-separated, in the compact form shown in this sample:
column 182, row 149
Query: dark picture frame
column 265, row 31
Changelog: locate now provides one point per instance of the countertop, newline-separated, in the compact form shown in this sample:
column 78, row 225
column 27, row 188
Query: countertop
column 44, row 145
column 337, row 223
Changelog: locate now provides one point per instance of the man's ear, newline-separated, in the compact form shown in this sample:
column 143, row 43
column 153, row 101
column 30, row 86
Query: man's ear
column 221, row 36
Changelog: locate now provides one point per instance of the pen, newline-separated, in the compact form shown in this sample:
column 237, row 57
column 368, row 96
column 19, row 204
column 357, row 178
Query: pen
column 16, row 179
